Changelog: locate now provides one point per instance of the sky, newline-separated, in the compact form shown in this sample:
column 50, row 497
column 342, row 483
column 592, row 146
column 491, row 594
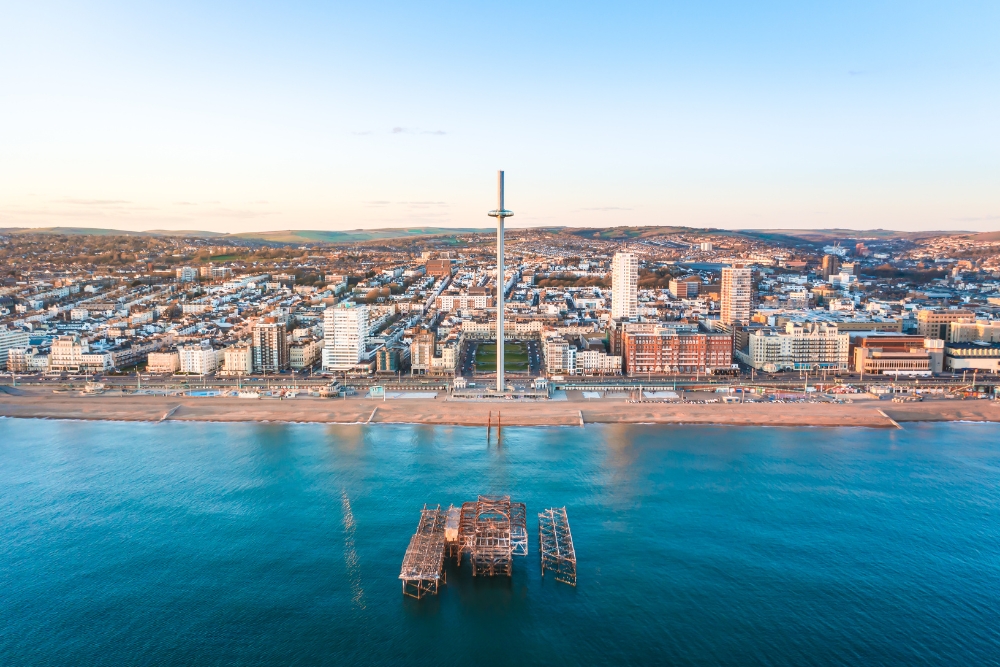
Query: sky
column 252, row 116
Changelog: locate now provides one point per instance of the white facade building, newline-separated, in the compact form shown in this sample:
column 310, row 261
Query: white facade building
column 810, row 346
column 345, row 330
column 238, row 360
column 11, row 338
column 163, row 362
column 197, row 359
column 71, row 355
column 186, row 274
column 736, row 294
column 624, row 285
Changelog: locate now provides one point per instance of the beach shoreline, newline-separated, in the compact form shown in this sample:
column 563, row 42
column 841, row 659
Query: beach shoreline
column 439, row 411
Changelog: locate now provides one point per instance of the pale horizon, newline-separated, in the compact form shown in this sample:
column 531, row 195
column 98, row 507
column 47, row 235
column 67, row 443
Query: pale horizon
column 232, row 119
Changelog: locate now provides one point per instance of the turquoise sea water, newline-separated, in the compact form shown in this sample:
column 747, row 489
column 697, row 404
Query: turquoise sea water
column 264, row 544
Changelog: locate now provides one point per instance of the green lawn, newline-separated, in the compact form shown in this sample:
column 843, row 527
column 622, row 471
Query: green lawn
column 515, row 357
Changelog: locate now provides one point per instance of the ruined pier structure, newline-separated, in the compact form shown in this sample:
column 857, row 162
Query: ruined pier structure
column 490, row 530
column 555, row 545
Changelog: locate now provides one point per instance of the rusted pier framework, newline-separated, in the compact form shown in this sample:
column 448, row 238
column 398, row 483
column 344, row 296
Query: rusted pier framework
column 519, row 529
column 491, row 531
column 423, row 564
column 555, row 543
column 492, row 553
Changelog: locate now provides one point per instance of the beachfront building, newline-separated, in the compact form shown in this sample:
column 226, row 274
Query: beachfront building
column 560, row 356
column 736, row 294
column 897, row 354
column 624, row 286
column 238, row 359
column 345, row 332
column 304, row 354
column 26, row 360
column 162, row 363
column 270, row 346
column 665, row 349
column 71, row 355
column 981, row 356
column 10, row 338
column 801, row 346
column 197, row 359
column 422, row 351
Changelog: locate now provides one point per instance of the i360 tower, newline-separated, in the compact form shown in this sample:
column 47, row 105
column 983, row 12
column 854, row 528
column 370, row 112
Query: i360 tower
column 500, row 213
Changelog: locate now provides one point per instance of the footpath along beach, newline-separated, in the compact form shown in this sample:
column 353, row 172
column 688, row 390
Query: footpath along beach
column 873, row 413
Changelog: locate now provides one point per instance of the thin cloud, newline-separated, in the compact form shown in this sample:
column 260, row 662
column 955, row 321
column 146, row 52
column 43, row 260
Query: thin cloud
column 856, row 72
column 985, row 218
column 93, row 202
column 606, row 208
column 362, row 133
column 416, row 130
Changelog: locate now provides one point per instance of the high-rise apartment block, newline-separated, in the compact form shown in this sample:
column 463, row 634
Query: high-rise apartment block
column 270, row 346
column 624, row 286
column 830, row 266
column 345, row 331
column 422, row 351
column 11, row 338
column 736, row 294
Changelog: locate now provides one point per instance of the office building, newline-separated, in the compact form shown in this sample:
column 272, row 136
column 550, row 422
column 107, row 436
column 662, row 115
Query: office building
column 685, row 288
column 935, row 323
column 624, row 286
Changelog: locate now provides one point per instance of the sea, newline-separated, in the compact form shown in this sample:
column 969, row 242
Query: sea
column 280, row 544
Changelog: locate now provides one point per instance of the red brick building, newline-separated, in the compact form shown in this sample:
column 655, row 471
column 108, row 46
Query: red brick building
column 658, row 349
column 438, row 267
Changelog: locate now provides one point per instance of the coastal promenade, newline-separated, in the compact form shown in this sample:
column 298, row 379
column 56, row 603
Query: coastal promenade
column 873, row 413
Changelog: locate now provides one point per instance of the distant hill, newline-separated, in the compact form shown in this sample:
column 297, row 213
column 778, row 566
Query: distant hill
column 73, row 231
column 349, row 236
column 300, row 236
column 827, row 235
column 283, row 236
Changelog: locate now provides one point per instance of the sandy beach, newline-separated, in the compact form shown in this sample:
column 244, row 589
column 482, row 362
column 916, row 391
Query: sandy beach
column 39, row 403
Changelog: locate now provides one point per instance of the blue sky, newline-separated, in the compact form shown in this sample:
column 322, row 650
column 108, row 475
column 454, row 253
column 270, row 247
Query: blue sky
column 252, row 116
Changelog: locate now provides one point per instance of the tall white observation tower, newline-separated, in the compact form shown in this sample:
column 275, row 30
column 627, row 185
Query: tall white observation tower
column 500, row 213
